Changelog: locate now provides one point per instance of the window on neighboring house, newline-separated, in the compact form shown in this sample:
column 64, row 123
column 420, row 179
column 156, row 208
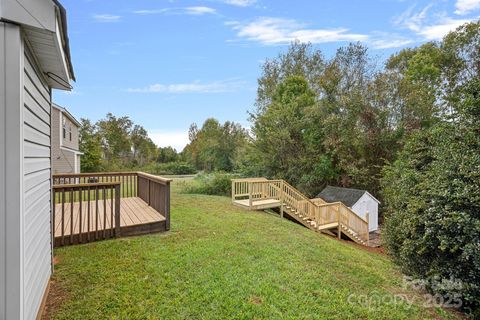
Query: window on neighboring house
column 64, row 128
column 70, row 133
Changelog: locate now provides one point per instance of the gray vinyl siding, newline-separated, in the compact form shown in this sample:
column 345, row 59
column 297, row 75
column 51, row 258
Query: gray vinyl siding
column 11, row 234
column 63, row 161
column 3, row 126
column 63, row 150
column 37, row 186
column 66, row 142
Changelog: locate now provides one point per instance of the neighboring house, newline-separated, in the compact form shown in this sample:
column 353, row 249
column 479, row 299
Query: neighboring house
column 360, row 201
column 65, row 152
column 34, row 59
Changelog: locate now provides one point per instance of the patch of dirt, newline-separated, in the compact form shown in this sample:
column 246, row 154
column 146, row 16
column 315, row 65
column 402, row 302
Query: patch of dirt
column 256, row 300
column 56, row 296
column 379, row 250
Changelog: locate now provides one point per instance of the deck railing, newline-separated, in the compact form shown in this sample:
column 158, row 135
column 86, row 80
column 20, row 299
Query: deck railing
column 155, row 191
column 86, row 199
column 316, row 210
column 128, row 180
column 96, row 199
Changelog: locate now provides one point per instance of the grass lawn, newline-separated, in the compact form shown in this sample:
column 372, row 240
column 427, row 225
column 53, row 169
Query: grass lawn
column 221, row 262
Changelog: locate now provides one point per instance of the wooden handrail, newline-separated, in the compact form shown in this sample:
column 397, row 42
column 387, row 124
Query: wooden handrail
column 152, row 177
column 90, row 174
column 321, row 213
column 85, row 185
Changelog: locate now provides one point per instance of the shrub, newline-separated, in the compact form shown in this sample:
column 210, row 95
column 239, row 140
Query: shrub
column 432, row 218
column 170, row 168
column 213, row 184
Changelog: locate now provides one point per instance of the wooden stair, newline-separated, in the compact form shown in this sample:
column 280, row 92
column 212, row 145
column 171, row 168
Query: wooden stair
column 329, row 218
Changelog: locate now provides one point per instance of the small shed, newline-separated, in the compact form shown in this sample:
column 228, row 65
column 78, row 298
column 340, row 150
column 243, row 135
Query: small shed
column 360, row 201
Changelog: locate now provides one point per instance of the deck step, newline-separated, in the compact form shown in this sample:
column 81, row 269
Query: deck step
column 328, row 226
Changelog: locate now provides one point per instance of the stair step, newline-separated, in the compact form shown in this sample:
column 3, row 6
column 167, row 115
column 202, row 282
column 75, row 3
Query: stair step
column 328, row 226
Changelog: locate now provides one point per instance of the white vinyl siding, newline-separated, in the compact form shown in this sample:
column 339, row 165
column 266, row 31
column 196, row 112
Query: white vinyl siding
column 367, row 204
column 37, row 187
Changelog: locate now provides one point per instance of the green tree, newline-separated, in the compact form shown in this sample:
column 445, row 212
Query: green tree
column 144, row 150
column 167, row 154
column 115, row 134
column 90, row 145
column 432, row 191
column 214, row 146
column 279, row 131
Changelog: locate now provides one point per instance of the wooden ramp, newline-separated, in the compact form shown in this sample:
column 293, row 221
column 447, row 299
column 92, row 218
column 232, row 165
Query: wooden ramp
column 96, row 221
column 315, row 214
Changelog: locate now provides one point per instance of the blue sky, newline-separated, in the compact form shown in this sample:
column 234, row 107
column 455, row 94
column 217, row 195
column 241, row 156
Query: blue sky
column 168, row 63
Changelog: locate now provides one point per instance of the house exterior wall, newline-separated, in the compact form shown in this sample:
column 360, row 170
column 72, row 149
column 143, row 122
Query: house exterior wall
column 367, row 204
column 64, row 150
column 25, row 179
column 11, row 234
column 37, row 186
column 64, row 161
column 3, row 125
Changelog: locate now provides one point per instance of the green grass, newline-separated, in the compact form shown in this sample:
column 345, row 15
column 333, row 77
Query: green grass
column 220, row 262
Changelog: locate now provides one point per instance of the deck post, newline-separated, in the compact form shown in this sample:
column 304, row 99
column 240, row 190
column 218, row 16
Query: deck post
column 368, row 228
column 117, row 210
column 149, row 183
column 281, row 199
column 250, row 200
column 339, row 223
column 167, row 206
column 233, row 191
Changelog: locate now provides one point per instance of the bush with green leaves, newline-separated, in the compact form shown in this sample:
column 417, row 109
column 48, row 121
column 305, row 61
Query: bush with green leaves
column 216, row 183
column 170, row 168
column 432, row 218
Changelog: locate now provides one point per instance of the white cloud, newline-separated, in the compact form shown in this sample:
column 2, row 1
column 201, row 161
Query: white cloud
column 441, row 28
column 388, row 42
column 466, row 6
column 106, row 18
column 193, row 87
column 186, row 10
column 175, row 139
column 428, row 26
column 272, row 31
column 240, row 3
column 200, row 10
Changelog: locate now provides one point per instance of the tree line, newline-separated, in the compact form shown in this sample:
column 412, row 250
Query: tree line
column 406, row 129
column 117, row 143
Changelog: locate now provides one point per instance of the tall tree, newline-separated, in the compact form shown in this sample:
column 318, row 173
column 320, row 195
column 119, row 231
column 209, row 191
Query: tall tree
column 91, row 146
column 214, row 146
column 115, row 133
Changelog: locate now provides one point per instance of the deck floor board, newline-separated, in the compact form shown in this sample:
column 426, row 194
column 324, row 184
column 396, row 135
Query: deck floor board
column 133, row 211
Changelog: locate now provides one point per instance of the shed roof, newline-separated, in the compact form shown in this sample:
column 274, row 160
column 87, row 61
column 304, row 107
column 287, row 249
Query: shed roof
column 347, row 196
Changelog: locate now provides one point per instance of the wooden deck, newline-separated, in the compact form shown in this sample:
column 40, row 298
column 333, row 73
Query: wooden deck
column 316, row 214
column 136, row 217
column 258, row 204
